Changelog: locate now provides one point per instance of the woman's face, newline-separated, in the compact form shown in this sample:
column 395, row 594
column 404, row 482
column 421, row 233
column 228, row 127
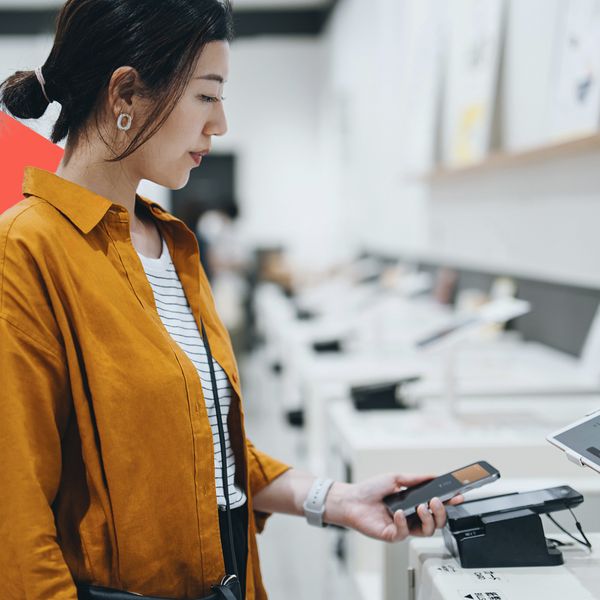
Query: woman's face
column 165, row 159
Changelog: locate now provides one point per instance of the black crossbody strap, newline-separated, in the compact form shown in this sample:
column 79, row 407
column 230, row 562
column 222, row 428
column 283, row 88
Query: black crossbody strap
column 223, row 448
column 224, row 593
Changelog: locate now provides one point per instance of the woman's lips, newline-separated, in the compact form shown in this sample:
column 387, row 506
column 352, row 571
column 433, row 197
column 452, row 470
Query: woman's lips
column 196, row 157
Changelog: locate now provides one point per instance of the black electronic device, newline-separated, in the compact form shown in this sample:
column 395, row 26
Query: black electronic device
column 506, row 530
column 380, row 396
column 303, row 314
column 328, row 346
column 444, row 487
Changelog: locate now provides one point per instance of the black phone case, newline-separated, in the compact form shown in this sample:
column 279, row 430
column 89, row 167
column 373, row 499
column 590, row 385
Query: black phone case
column 411, row 511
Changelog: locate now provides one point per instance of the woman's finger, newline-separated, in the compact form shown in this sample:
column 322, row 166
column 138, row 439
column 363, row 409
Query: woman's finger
column 401, row 525
column 438, row 512
column 457, row 500
column 427, row 522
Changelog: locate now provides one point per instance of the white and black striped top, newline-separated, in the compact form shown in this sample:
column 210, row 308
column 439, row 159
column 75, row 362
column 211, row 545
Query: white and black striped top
column 176, row 315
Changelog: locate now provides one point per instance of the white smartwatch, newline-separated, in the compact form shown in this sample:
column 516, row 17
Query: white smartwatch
column 314, row 505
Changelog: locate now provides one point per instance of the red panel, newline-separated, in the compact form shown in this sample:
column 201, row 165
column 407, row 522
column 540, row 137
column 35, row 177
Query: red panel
column 21, row 147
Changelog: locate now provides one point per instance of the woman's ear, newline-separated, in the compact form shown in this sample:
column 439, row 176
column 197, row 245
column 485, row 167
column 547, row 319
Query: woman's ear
column 124, row 84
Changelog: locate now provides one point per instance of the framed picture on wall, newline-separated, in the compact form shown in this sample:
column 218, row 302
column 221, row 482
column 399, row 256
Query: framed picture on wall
column 425, row 45
column 528, row 65
column 575, row 97
column 475, row 40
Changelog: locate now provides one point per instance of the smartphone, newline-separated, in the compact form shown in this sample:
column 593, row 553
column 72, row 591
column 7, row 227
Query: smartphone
column 444, row 487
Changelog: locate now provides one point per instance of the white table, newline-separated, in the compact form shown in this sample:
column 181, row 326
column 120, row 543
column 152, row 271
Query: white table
column 522, row 368
column 484, row 370
column 381, row 333
column 509, row 434
column 439, row 576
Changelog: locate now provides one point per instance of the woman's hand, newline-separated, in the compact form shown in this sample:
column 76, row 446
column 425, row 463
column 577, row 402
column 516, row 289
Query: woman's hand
column 360, row 507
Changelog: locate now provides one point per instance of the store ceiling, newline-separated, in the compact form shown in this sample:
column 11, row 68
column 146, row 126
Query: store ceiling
column 252, row 17
column 278, row 4
column 239, row 4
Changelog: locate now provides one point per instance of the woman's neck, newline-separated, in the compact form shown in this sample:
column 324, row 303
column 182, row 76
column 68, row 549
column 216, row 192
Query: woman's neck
column 114, row 181
column 110, row 180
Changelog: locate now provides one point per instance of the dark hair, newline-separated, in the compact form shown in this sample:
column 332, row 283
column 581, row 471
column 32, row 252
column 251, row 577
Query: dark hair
column 161, row 39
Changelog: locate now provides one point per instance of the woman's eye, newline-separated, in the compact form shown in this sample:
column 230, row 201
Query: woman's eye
column 210, row 98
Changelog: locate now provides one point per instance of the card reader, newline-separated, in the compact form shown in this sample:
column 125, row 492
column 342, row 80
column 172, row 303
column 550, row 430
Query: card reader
column 381, row 395
column 506, row 530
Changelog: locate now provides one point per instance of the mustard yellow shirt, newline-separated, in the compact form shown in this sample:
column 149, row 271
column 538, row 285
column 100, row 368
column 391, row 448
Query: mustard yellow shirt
column 106, row 451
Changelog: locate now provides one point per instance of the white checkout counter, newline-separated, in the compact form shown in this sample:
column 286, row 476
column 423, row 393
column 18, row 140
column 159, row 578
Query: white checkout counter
column 483, row 370
column 369, row 319
column 508, row 433
column 381, row 332
column 383, row 328
column 436, row 575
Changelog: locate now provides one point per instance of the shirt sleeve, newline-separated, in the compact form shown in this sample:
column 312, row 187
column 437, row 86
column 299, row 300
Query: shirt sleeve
column 34, row 409
column 262, row 470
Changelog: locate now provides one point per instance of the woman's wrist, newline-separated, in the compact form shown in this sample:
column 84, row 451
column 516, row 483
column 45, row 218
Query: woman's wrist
column 336, row 503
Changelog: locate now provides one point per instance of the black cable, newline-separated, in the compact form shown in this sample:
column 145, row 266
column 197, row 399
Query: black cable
column 586, row 543
column 580, row 529
column 558, row 542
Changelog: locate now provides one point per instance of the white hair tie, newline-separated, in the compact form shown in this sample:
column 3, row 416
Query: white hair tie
column 40, row 78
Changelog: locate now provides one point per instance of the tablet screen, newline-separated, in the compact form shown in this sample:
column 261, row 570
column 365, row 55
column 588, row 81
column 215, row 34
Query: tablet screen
column 583, row 439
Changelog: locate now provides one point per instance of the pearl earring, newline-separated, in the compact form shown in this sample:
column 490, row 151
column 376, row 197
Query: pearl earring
column 120, row 125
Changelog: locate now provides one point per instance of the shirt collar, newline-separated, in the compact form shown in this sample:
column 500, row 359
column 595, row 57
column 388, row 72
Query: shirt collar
column 82, row 207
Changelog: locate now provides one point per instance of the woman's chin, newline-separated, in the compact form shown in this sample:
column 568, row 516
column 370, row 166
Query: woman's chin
column 174, row 183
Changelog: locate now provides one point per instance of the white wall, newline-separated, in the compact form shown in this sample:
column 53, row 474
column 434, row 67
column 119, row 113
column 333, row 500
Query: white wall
column 271, row 103
column 539, row 220
column 368, row 47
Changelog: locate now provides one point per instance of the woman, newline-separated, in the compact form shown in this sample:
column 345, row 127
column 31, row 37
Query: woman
column 113, row 417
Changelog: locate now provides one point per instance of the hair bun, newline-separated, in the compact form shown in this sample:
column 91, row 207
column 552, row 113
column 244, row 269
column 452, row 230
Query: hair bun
column 21, row 94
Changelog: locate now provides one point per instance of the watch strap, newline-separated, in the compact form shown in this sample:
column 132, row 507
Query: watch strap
column 314, row 505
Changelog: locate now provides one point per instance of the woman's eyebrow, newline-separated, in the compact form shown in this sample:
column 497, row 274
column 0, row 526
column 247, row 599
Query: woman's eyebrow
column 211, row 77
